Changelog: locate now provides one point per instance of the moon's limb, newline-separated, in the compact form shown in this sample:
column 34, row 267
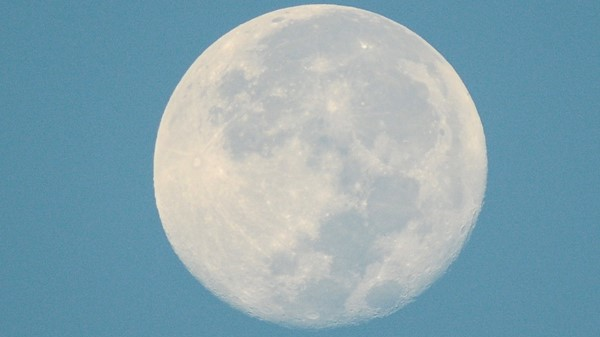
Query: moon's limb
column 319, row 165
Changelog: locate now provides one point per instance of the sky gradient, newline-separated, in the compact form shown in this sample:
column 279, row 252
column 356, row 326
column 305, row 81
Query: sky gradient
column 82, row 91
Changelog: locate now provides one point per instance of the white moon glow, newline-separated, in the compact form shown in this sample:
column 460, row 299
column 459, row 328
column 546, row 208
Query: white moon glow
column 319, row 165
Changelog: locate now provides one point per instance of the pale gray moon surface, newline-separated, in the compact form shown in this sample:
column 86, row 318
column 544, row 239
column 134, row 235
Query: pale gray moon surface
column 318, row 166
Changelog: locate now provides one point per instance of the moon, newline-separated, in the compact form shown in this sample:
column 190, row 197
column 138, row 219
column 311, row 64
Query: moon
column 319, row 166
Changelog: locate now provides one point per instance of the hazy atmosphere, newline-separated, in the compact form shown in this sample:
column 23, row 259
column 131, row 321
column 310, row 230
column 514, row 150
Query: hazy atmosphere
column 82, row 248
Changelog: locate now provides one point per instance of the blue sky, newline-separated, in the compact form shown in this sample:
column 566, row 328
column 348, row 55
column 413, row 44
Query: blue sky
column 82, row 91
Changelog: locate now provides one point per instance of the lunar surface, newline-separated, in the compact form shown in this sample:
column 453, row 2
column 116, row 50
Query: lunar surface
column 319, row 166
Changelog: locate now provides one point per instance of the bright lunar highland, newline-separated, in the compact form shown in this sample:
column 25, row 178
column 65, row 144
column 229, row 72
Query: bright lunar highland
column 319, row 166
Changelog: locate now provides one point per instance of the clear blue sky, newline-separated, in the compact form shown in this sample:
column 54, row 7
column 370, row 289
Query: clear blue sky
column 82, row 91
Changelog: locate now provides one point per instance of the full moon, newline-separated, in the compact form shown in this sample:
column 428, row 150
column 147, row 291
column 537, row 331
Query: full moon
column 319, row 165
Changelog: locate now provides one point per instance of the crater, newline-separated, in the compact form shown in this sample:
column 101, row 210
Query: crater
column 385, row 297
